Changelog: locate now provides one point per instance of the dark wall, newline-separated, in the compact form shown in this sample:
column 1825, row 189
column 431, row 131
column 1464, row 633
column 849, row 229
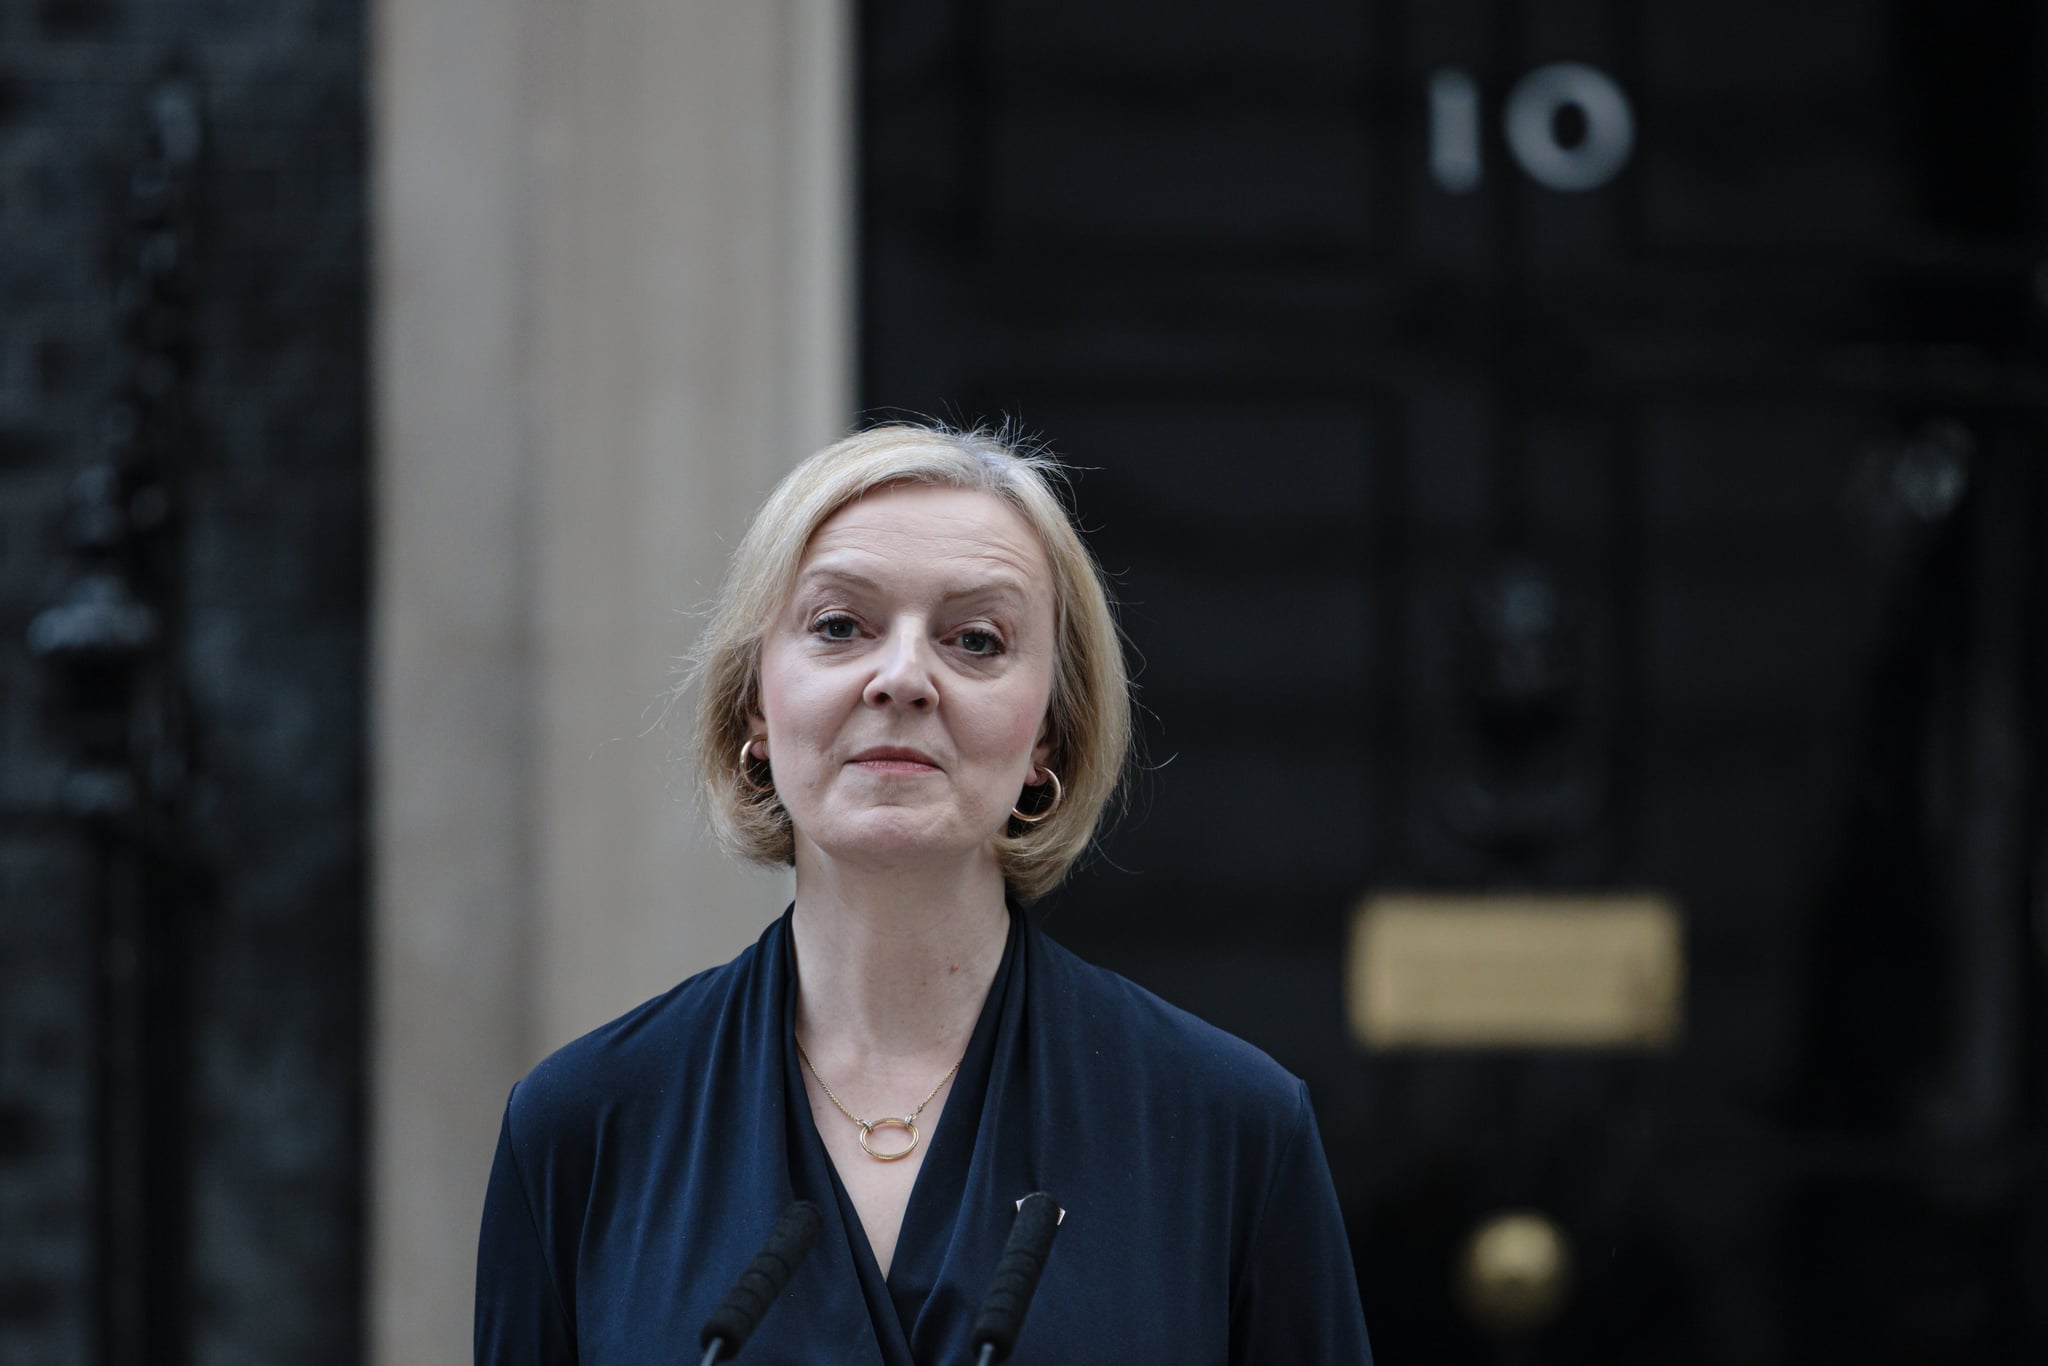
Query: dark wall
column 1476, row 530
column 182, row 445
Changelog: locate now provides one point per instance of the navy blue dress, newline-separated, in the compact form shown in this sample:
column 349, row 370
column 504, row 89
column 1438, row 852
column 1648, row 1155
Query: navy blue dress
column 640, row 1168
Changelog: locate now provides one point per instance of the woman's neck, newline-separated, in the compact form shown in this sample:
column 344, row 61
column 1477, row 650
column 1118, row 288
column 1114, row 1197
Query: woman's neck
column 893, row 964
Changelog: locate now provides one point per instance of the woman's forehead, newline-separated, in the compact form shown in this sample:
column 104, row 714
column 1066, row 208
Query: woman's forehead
column 924, row 531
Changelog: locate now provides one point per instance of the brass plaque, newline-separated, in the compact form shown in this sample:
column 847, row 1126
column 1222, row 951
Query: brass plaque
column 1524, row 970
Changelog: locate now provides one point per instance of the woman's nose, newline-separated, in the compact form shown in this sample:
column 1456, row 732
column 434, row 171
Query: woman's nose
column 903, row 671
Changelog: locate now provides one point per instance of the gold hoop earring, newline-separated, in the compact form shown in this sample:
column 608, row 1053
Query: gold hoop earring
column 746, row 775
column 1059, row 795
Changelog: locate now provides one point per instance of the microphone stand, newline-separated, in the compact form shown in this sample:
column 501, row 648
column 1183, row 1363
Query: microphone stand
column 736, row 1317
column 1016, row 1278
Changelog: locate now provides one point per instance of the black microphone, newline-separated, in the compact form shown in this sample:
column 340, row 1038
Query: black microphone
column 1016, row 1279
column 739, row 1313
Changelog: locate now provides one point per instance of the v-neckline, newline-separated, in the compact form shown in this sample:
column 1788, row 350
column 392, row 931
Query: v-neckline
column 923, row 1238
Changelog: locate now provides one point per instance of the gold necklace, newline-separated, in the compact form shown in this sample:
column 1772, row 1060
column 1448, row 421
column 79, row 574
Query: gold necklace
column 908, row 1123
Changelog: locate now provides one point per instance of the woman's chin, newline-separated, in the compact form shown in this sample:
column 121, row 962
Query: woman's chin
column 898, row 837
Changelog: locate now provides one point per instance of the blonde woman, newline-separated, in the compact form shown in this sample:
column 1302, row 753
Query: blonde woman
column 912, row 690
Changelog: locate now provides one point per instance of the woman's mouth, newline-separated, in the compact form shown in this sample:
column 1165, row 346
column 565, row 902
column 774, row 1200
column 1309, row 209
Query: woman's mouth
column 894, row 759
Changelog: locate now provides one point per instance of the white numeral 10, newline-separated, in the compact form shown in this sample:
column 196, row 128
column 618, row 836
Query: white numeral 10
column 1530, row 122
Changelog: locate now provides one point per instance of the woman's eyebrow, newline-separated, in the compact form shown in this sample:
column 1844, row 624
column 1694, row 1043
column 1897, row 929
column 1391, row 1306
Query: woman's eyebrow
column 1006, row 589
column 995, row 586
column 829, row 574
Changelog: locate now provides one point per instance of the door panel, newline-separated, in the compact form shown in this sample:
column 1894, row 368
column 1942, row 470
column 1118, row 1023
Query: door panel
column 1554, row 448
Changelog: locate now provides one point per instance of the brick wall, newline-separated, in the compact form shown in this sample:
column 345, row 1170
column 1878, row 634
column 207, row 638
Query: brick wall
column 266, row 656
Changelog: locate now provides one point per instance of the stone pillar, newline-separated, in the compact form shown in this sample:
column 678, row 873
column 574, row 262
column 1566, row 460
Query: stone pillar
column 612, row 308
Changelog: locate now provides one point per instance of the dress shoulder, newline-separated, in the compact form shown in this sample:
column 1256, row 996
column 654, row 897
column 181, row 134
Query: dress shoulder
column 1175, row 1048
column 628, row 1058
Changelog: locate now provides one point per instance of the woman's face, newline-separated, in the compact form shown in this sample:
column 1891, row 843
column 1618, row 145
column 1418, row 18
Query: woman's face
column 905, row 684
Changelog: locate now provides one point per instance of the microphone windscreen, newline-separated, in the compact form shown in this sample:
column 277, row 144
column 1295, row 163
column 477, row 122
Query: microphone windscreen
column 739, row 1313
column 1016, row 1278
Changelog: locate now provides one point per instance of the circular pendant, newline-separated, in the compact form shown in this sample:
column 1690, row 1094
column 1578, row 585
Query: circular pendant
column 867, row 1131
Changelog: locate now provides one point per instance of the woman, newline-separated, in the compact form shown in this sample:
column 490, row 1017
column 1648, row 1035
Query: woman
column 912, row 690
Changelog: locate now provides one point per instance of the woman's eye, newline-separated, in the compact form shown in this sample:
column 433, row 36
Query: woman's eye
column 980, row 643
column 836, row 628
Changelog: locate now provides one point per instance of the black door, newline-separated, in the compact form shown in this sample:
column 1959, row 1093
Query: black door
column 1557, row 448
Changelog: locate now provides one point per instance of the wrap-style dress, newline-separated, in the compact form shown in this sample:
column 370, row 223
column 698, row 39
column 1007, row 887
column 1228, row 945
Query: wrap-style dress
column 640, row 1168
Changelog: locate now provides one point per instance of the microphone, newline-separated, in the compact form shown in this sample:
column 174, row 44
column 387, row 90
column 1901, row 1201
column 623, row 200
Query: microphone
column 1016, row 1278
column 739, row 1313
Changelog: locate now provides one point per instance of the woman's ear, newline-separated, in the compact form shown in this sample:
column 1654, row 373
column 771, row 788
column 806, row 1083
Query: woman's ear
column 1042, row 751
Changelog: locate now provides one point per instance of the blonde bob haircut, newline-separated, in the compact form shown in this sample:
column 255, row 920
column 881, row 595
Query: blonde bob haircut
column 1089, row 716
